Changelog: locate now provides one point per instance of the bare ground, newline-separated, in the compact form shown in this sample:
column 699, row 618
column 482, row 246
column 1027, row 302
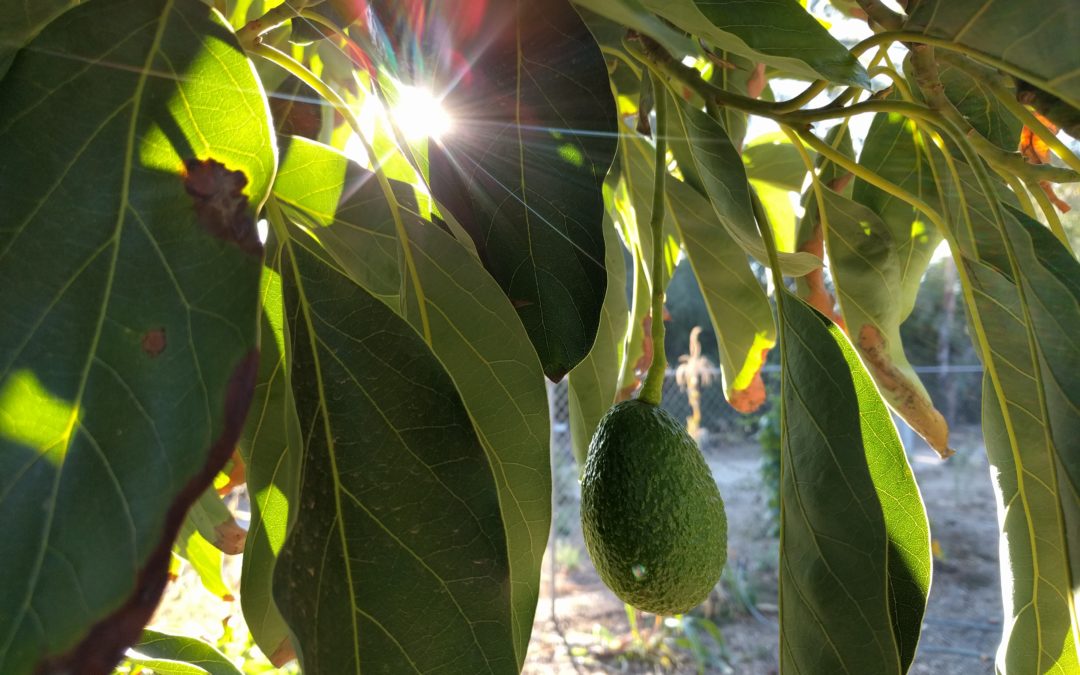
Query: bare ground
column 961, row 629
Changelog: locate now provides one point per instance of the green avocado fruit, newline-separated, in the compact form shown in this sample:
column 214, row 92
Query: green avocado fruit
column 652, row 515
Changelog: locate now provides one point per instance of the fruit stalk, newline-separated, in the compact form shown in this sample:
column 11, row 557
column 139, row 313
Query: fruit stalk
column 652, row 389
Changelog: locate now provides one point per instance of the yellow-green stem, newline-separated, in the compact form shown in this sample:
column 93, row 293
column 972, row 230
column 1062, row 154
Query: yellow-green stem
column 653, row 388
column 1052, row 218
column 309, row 78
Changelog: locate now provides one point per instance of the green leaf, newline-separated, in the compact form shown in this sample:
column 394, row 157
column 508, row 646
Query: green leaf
column 973, row 98
column 216, row 524
column 771, row 158
column 593, row 383
column 869, row 269
column 630, row 207
column 475, row 334
column 736, row 302
column 20, row 21
column 522, row 171
column 270, row 445
column 1051, row 281
column 632, row 14
column 1035, row 42
column 853, row 580
column 1036, row 506
column 776, row 32
column 401, row 561
column 164, row 653
column 204, row 558
column 880, row 247
column 129, row 284
column 723, row 176
column 906, row 524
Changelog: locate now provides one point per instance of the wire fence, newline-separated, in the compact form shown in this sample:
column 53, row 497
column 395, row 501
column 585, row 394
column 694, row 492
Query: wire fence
column 955, row 389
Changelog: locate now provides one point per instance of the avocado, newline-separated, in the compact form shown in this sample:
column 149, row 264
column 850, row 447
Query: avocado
column 651, row 513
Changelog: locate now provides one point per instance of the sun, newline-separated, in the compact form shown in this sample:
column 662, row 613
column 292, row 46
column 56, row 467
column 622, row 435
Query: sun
column 419, row 114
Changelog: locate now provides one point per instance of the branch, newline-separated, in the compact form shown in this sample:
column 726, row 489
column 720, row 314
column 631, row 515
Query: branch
column 882, row 15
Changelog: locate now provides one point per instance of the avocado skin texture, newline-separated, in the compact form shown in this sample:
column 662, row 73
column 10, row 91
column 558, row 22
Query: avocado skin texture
column 651, row 513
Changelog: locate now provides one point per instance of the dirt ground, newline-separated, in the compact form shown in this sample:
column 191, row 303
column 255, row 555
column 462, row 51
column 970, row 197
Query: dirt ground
column 961, row 629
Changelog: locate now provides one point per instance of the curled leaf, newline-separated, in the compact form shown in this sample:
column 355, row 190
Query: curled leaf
column 910, row 401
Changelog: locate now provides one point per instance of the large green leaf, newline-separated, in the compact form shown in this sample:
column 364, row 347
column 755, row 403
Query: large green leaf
column 973, row 98
column 400, row 562
column 1036, row 41
column 1036, row 502
column 735, row 300
column 854, row 543
column 771, row 158
column 129, row 283
column 777, row 32
column 723, row 176
column 593, row 383
column 879, row 247
column 1051, row 279
column 21, row 20
column 270, row 445
column 474, row 331
column 166, row 654
column 632, row 14
column 522, row 171
column 906, row 525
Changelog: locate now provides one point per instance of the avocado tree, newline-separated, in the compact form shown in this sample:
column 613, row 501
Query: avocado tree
column 332, row 250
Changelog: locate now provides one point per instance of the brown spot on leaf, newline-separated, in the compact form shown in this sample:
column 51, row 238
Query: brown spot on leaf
column 229, row 537
column 153, row 342
column 103, row 646
column 904, row 396
column 283, row 654
column 220, row 203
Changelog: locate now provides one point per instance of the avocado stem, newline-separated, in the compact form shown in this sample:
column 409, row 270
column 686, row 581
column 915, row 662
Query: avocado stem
column 653, row 388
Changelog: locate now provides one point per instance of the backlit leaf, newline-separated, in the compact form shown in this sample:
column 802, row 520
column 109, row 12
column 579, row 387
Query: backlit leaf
column 880, row 247
column 534, row 134
column 723, row 176
column 593, row 383
column 271, row 446
column 852, row 580
column 777, row 32
column 475, row 334
column 1037, row 506
column 165, row 653
column 401, row 563
column 1036, row 41
column 128, row 353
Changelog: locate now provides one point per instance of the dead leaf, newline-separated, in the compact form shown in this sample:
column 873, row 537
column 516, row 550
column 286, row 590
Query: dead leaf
column 1057, row 201
column 750, row 399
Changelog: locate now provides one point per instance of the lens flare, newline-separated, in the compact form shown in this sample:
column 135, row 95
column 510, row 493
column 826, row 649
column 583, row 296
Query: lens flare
column 420, row 114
